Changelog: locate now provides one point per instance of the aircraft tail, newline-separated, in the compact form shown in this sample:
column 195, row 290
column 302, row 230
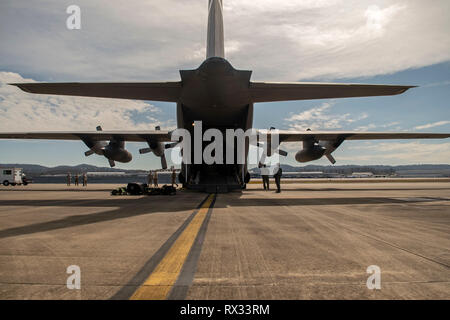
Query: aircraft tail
column 215, row 41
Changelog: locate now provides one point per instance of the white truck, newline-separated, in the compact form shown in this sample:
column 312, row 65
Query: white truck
column 12, row 176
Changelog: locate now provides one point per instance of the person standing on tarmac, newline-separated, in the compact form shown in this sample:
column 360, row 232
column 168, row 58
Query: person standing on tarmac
column 76, row 179
column 174, row 177
column 68, row 179
column 277, row 176
column 155, row 179
column 84, row 179
column 150, row 179
column 265, row 176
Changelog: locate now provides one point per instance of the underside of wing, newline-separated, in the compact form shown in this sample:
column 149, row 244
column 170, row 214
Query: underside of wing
column 289, row 136
column 132, row 136
column 156, row 91
column 284, row 91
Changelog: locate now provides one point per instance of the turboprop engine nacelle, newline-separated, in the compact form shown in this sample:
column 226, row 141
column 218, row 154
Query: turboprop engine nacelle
column 310, row 153
column 115, row 151
column 157, row 148
column 314, row 150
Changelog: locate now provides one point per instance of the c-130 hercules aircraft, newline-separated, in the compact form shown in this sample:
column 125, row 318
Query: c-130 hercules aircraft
column 222, row 98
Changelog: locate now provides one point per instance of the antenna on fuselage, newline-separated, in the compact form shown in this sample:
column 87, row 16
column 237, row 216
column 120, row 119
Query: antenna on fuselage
column 215, row 40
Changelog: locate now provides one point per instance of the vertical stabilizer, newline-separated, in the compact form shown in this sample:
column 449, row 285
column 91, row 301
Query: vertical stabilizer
column 215, row 42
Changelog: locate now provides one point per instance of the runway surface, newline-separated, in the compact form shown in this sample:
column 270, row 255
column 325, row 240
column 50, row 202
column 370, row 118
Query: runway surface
column 312, row 241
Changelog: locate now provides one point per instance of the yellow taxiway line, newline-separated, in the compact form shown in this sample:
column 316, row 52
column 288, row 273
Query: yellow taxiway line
column 161, row 280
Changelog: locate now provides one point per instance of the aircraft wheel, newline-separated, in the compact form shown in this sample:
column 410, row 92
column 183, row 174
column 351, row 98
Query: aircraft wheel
column 6, row 183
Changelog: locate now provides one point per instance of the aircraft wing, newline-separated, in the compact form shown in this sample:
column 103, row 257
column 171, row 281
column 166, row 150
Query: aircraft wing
column 290, row 136
column 133, row 136
column 156, row 91
column 283, row 91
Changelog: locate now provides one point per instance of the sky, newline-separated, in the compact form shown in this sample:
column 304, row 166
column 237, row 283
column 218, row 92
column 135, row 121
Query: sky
column 363, row 41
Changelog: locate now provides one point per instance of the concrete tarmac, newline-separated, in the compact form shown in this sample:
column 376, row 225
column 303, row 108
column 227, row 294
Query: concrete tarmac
column 312, row 241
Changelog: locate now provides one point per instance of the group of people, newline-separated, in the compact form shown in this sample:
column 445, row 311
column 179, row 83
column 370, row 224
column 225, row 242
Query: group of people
column 152, row 178
column 76, row 179
column 265, row 172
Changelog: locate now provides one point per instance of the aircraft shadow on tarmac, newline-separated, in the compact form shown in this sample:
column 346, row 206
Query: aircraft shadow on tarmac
column 80, row 189
column 132, row 206
column 121, row 208
column 352, row 189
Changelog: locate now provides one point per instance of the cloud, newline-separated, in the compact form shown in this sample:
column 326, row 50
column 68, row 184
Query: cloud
column 20, row 111
column 398, row 152
column 432, row 125
column 437, row 84
column 321, row 118
column 372, row 126
column 152, row 40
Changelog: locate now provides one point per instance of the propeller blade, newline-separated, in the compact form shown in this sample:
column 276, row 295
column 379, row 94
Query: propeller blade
column 330, row 157
column 145, row 150
column 163, row 162
column 171, row 145
column 89, row 153
column 263, row 157
column 111, row 163
column 279, row 151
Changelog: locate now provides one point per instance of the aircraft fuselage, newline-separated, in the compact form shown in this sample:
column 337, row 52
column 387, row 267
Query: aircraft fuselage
column 219, row 96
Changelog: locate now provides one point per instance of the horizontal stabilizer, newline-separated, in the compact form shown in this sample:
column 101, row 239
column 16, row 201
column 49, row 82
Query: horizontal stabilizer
column 284, row 91
column 157, row 91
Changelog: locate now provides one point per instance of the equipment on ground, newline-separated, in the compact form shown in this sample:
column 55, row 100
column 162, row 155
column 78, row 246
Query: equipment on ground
column 137, row 189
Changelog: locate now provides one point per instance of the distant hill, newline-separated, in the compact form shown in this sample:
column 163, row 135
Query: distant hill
column 33, row 169
column 403, row 170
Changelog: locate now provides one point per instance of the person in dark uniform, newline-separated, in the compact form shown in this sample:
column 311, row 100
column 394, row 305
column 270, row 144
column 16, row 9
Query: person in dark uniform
column 155, row 179
column 150, row 179
column 174, row 178
column 264, row 176
column 277, row 177
column 76, row 179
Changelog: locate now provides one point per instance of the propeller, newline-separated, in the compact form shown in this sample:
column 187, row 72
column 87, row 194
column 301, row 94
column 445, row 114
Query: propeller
column 88, row 153
column 163, row 162
column 158, row 149
column 95, row 147
column 330, row 158
column 113, row 151
column 330, row 147
column 278, row 150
